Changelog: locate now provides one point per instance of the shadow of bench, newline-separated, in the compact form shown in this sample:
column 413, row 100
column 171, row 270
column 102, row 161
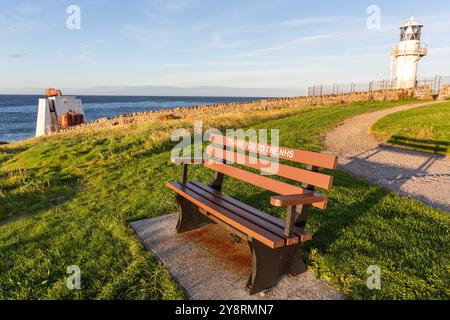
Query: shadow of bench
column 426, row 145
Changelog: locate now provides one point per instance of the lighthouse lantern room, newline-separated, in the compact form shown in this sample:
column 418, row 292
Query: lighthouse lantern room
column 406, row 55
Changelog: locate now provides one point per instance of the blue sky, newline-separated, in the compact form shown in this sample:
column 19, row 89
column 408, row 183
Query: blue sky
column 287, row 44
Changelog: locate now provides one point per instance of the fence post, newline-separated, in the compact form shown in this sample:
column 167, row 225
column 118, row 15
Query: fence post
column 439, row 85
column 434, row 84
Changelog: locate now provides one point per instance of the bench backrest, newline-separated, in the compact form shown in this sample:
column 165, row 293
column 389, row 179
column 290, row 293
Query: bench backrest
column 250, row 157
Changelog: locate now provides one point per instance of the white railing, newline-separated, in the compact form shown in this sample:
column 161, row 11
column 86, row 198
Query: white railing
column 400, row 52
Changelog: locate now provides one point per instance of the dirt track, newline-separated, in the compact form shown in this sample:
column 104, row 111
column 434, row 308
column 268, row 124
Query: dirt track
column 421, row 176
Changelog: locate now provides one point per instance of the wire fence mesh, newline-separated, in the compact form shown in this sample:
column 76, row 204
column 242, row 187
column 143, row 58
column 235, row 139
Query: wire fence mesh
column 435, row 83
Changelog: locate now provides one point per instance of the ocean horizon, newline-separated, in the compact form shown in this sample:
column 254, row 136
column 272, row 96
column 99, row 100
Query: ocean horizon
column 18, row 113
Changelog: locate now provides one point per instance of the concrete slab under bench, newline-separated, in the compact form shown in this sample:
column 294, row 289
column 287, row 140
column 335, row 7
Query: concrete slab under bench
column 210, row 264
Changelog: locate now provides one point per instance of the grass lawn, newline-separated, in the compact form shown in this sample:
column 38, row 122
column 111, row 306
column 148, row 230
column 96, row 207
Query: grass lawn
column 424, row 129
column 68, row 200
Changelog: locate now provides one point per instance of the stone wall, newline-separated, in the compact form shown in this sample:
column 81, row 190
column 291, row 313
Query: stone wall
column 249, row 106
column 424, row 93
column 444, row 94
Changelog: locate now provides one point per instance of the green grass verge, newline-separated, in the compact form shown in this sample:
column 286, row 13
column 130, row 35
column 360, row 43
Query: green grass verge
column 424, row 129
column 67, row 201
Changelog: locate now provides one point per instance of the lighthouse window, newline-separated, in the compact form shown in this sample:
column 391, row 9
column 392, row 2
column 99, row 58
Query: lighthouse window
column 410, row 33
column 417, row 31
column 402, row 35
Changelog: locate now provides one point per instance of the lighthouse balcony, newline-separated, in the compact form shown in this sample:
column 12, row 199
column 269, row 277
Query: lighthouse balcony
column 396, row 52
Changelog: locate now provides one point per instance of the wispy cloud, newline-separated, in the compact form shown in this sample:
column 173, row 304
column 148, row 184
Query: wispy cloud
column 282, row 25
column 218, row 42
column 149, row 37
column 29, row 9
column 177, row 4
column 160, row 7
column 88, row 52
column 291, row 44
column 226, row 38
column 325, row 20
column 195, row 42
column 17, row 55
column 23, row 17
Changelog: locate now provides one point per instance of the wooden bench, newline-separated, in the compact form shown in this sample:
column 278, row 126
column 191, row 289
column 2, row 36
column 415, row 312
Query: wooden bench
column 275, row 245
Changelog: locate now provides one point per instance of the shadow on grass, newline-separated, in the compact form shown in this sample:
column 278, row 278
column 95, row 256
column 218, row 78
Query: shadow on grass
column 12, row 150
column 350, row 200
column 425, row 145
column 30, row 194
column 8, row 153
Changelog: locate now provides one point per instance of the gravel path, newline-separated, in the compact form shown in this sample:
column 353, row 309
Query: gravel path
column 421, row 176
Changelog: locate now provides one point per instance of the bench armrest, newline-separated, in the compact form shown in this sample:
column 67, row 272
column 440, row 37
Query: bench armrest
column 297, row 199
column 185, row 162
column 180, row 160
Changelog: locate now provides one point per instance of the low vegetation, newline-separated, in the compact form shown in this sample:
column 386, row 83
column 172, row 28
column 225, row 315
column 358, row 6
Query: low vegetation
column 424, row 129
column 67, row 200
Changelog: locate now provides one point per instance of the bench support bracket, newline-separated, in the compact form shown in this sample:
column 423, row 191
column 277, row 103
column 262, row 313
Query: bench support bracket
column 217, row 182
column 190, row 218
column 302, row 212
column 269, row 265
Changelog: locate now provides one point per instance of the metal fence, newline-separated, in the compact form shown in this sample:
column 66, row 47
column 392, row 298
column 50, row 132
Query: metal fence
column 435, row 83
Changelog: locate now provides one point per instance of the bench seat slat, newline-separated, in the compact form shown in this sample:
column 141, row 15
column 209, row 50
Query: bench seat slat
column 256, row 219
column 269, row 239
column 301, row 233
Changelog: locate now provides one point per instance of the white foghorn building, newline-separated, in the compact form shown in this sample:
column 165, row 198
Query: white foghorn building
column 406, row 55
column 51, row 109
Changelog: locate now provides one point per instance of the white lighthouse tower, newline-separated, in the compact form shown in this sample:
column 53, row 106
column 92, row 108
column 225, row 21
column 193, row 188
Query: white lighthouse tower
column 406, row 55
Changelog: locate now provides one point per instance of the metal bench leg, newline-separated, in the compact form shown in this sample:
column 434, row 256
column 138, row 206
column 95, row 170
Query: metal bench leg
column 190, row 218
column 268, row 265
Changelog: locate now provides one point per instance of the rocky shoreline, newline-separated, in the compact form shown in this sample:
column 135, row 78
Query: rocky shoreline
column 247, row 106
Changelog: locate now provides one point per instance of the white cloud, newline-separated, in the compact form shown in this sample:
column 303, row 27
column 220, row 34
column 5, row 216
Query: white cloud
column 88, row 52
column 176, row 4
column 165, row 6
column 150, row 37
column 28, row 9
column 218, row 42
column 294, row 43
column 283, row 24
column 309, row 21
